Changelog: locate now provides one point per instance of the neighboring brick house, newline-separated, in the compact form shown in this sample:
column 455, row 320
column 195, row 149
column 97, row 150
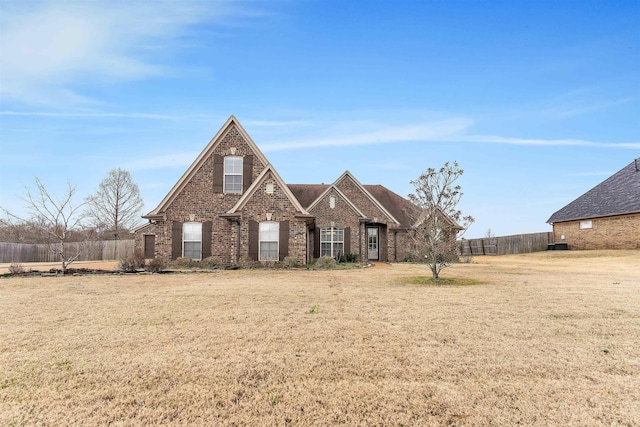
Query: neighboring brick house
column 605, row 217
column 232, row 204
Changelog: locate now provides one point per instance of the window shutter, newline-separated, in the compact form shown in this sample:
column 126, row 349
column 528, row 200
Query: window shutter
column 218, row 173
column 206, row 239
column 176, row 240
column 283, row 244
column 316, row 243
column 247, row 172
column 347, row 240
column 254, row 237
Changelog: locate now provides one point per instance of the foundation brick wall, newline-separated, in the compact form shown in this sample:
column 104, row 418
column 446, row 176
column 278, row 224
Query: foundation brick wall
column 613, row 232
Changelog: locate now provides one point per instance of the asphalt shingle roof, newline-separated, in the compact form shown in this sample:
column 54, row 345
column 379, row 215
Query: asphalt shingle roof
column 396, row 205
column 619, row 194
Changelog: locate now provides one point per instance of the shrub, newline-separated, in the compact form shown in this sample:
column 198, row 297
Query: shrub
column 16, row 268
column 326, row 263
column 128, row 264
column 244, row 264
column 156, row 265
column 184, row 263
column 138, row 257
column 291, row 262
column 212, row 263
column 348, row 258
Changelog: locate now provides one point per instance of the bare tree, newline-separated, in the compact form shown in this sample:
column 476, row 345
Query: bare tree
column 115, row 207
column 58, row 217
column 437, row 220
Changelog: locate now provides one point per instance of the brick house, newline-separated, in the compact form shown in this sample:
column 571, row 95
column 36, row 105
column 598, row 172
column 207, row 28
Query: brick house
column 605, row 217
column 232, row 204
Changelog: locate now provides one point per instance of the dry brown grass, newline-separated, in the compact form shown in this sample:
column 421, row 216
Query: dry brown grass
column 549, row 339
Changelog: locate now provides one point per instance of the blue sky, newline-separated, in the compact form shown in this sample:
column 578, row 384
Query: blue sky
column 537, row 101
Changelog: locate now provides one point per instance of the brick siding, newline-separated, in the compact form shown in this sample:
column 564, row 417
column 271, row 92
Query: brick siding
column 613, row 232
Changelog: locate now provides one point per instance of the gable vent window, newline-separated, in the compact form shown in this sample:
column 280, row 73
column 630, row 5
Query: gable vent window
column 269, row 238
column 332, row 202
column 233, row 174
column 192, row 240
column 586, row 225
column 331, row 242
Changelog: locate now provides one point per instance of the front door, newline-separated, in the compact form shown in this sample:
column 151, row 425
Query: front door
column 372, row 243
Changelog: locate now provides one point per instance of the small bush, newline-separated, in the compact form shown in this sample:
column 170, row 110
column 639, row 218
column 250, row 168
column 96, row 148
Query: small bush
column 16, row 268
column 244, row 264
column 326, row 263
column 128, row 264
column 291, row 262
column 138, row 257
column 211, row 263
column 156, row 265
column 351, row 258
column 184, row 263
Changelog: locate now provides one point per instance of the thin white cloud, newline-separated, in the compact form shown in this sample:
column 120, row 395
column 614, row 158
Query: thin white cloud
column 494, row 139
column 87, row 115
column 433, row 131
column 278, row 123
column 50, row 49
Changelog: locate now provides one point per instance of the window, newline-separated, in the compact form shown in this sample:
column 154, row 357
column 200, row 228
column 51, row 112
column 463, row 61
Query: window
column 192, row 240
column 269, row 233
column 332, row 202
column 331, row 242
column 585, row 225
column 233, row 174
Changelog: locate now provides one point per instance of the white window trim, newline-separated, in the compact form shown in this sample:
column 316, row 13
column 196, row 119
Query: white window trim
column 224, row 181
column 191, row 241
column 277, row 241
column 585, row 225
column 332, row 241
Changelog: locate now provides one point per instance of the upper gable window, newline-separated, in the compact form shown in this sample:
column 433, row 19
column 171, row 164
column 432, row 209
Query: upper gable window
column 233, row 174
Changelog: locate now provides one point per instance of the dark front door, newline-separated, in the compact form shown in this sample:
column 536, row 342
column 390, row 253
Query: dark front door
column 373, row 252
column 149, row 246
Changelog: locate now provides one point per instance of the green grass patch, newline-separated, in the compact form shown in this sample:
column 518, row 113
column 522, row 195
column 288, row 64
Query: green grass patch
column 441, row 281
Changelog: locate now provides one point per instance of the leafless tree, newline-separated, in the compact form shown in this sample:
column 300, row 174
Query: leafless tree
column 437, row 220
column 115, row 207
column 58, row 217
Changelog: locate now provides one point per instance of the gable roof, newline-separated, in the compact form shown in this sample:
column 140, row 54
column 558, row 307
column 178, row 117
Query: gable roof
column 307, row 193
column 397, row 205
column 256, row 183
column 332, row 187
column 619, row 194
column 202, row 157
column 367, row 194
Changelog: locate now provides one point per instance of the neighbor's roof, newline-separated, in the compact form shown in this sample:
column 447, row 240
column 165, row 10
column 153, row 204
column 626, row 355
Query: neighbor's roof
column 617, row 195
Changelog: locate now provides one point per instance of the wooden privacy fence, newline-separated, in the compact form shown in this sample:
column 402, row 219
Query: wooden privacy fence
column 504, row 245
column 89, row 251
